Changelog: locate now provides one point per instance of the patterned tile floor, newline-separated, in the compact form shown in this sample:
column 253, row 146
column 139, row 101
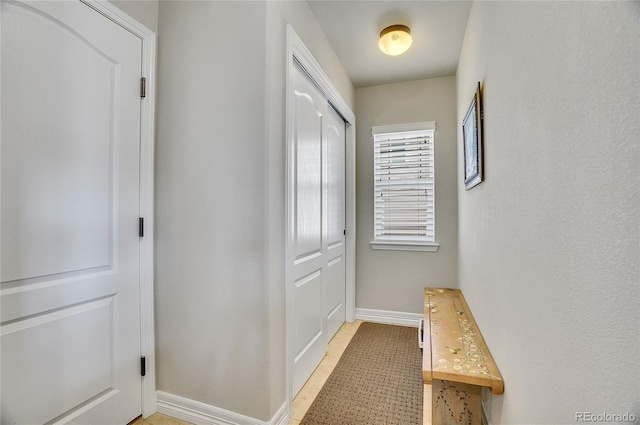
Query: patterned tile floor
column 311, row 388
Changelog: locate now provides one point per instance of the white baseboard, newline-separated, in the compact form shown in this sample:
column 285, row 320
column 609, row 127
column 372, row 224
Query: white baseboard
column 389, row 317
column 199, row 413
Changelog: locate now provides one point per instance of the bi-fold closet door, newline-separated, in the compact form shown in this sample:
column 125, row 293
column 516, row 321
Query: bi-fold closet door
column 318, row 252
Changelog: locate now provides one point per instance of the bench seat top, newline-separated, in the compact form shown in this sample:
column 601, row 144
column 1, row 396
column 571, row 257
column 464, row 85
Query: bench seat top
column 453, row 347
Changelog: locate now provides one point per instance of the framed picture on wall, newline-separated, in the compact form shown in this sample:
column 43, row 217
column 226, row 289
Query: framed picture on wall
column 472, row 138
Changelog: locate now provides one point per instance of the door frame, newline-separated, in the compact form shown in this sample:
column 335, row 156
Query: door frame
column 147, row 126
column 297, row 51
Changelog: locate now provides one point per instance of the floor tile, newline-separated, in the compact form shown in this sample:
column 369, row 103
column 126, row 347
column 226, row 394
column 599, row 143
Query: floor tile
column 159, row 419
column 312, row 387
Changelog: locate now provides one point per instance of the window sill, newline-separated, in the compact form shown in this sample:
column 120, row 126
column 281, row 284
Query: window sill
column 405, row 246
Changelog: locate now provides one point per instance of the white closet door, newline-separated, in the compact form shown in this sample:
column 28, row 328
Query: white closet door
column 70, row 266
column 317, row 259
column 309, row 228
column 335, row 193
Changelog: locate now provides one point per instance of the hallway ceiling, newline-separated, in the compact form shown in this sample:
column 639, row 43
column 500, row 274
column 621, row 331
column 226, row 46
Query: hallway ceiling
column 353, row 28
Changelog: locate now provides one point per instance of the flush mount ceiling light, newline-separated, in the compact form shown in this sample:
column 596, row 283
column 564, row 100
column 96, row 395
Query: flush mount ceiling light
column 395, row 40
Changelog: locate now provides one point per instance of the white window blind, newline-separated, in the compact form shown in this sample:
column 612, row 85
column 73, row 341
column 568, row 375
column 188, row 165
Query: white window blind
column 404, row 209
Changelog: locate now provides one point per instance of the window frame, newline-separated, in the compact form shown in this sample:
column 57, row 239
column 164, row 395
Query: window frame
column 398, row 244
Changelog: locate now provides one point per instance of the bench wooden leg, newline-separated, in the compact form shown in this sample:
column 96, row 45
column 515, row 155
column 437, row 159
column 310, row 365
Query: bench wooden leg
column 455, row 403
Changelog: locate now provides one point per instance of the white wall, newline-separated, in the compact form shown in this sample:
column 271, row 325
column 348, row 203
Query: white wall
column 220, row 199
column 394, row 280
column 549, row 242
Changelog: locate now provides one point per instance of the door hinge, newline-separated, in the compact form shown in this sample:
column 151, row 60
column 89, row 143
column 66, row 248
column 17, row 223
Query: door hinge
column 140, row 227
column 143, row 366
column 344, row 232
column 143, row 87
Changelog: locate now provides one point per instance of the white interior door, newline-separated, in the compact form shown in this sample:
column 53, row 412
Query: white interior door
column 335, row 189
column 318, row 226
column 70, row 266
column 309, row 262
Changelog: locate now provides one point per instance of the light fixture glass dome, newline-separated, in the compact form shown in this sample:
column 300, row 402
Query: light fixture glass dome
column 395, row 40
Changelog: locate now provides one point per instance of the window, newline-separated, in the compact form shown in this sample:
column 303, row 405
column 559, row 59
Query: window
column 404, row 186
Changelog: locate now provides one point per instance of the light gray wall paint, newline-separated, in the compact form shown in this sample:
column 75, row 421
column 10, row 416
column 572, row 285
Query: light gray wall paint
column 144, row 11
column 220, row 198
column 211, row 162
column 549, row 242
column 301, row 18
column 394, row 280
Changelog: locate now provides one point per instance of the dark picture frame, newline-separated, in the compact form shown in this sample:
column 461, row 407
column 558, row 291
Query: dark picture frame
column 472, row 142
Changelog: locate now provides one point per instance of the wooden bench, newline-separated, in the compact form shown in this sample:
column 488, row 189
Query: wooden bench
column 456, row 361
